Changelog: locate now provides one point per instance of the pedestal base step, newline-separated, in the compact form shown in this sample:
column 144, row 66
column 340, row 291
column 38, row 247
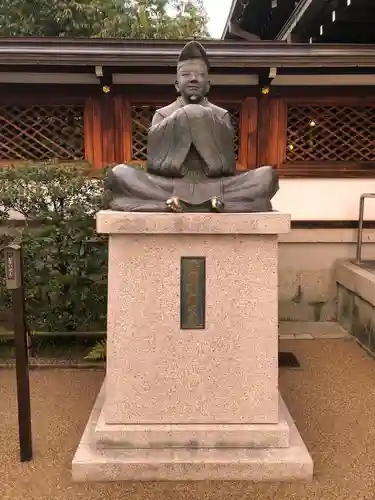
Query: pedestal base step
column 186, row 436
column 93, row 462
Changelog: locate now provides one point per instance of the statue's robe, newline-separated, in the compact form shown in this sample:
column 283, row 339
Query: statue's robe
column 191, row 156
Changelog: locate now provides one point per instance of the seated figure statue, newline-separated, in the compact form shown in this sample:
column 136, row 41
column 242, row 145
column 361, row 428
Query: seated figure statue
column 191, row 162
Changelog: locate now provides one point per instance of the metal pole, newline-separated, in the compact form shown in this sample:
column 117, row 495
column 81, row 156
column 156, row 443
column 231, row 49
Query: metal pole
column 15, row 282
column 360, row 225
column 360, row 229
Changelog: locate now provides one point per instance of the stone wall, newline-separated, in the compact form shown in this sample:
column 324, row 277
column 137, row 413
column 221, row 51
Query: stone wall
column 307, row 285
column 356, row 301
column 356, row 316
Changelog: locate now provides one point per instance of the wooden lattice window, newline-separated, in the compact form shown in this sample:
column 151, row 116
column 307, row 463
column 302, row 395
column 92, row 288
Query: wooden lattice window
column 141, row 121
column 40, row 133
column 235, row 116
column 321, row 133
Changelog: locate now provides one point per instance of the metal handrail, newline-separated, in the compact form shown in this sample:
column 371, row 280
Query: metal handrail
column 358, row 259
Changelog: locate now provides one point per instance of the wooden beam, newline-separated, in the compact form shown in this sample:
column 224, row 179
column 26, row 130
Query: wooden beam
column 155, row 79
column 222, row 54
column 330, row 15
column 294, row 19
column 48, row 78
column 234, row 29
column 335, row 80
column 327, row 24
column 232, row 9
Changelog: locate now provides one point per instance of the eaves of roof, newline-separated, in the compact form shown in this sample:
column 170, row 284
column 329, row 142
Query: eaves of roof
column 232, row 10
column 222, row 53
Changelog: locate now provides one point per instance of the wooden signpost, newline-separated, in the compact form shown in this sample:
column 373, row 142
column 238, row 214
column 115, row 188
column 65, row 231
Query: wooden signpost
column 14, row 282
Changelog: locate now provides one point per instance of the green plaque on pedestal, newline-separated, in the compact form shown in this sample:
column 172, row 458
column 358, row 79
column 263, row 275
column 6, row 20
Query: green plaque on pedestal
column 193, row 293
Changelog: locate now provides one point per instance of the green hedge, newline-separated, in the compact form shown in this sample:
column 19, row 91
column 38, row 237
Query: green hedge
column 65, row 260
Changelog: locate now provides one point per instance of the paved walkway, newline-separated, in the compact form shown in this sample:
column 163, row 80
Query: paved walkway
column 332, row 398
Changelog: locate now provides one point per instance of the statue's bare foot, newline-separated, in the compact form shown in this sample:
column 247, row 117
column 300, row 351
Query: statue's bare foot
column 217, row 205
column 174, row 204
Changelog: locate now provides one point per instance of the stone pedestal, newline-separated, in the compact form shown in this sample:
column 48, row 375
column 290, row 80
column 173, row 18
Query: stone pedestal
column 191, row 391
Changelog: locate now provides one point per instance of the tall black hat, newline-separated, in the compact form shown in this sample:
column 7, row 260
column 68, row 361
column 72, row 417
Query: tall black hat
column 193, row 50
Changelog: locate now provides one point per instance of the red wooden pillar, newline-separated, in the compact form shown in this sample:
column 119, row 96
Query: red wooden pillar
column 271, row 131
column 248, row 130
column 93, row 132
column 123, row 129
column 100, row 131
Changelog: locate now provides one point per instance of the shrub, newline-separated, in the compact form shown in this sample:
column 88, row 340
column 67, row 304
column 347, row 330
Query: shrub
column 65, row 260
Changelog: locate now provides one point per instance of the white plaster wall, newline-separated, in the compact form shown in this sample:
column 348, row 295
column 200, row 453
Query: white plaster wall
column 324, row 199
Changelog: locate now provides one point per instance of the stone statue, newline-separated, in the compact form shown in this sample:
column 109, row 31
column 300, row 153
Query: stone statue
column 191, row 163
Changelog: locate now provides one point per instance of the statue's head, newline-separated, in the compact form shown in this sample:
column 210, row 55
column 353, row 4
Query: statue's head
column 192, row 73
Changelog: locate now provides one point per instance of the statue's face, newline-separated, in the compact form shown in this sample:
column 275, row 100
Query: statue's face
column 192, row 80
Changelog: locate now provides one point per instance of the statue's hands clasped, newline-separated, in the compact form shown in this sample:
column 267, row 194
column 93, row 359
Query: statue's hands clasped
column 196, row 111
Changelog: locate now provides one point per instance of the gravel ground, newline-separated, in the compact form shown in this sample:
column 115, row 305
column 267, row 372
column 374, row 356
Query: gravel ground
column 332, row 399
